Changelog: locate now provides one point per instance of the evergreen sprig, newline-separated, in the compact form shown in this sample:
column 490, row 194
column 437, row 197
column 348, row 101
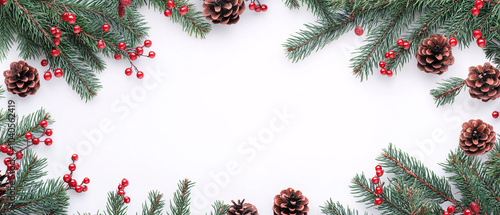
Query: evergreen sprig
column 156, row 204
column 182, row 199
column 29, row 123
column 219, row 208
column 447, row 91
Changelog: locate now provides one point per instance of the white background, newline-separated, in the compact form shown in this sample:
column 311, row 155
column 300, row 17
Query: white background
column 211, row 95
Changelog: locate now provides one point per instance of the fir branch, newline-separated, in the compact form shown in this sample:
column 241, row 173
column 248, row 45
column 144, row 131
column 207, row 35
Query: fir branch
column 292, row 4
column 115, row 204
column 331, row 208
column 181, row 200
column 26, row 124
column 219, row 208
column 493, row 163
column 2, row 91
column 447, row 91
column 156, row 204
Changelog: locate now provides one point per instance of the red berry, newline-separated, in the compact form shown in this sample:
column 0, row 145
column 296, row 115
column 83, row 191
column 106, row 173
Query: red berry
column 10, row 152
column 72, row 183
column 86, row 180
column 58, row 73
column 44, row 63
column 386, row 55
column 184, row 10
column 44, row 123
column 4, row 148
column 251, row 6
column 74, row 157
column 453, row 42
column 378, row 201
column 481, row 42
column 47, row 76
column 120, row 187
column 101, row 44
column 389, row 73
column 358, row 31
column 16, row 166
column 118, row 56
column 495, row 114
column 380, row 173
column 78, row 188
column 148, row 43
column 53, row 30
column 167, row 13
column 378, row 167
column 6, row 161
column 72, row 167
column 56, row 41
column 121, row 192
column 375, row 180
column 474, row 207
column 71, row 18
column 132, row 55
column 381, row 64
column 475, row 11
column 258, row 8
column 152, row 54
column 400, row 42
column 406, row 45
column 264, row 8
column 11, row 177
column 383, row 71
column 140, row 75
column 467, row 212
column 106, row 27
column 126, row 3
column 19, row 155
column 476, row 33
column 139, row 50
column 57, row 34
column 391, row 54
column 379, row 190
column 28, row 135
column 65, row 16
column 126, row 199
column 67, row 178
column 170, row 4
column 122, row 45
column 446, row 213
column 35, row 141
column 48, row 141
column 77, row 29
column 54, row 52
column 85, row 188
column 124, row 182
column 479, row 4
column 128, row 71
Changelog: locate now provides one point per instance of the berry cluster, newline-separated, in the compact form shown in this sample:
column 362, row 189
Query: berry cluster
column 121, row 7
column 478, row 5
column 376, row 180
column 257, row 7
column 121, row 190
column 133, row 54
column 474, row 209
column 171, row 5
column 391, row 55
column 68, row 178
column 56, row 32
column 48, row 74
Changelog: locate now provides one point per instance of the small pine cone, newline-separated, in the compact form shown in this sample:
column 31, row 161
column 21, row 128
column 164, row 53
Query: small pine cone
column 434, row 55
column 477, row 137
column 223, row 11
column 242, row 208
column 22, row 79
column 290, row 202
column 483, row 82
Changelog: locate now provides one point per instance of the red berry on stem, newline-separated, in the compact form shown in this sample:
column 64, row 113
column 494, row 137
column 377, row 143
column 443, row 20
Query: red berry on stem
column 474, row 207
column 35, row 141
column 251, row 6
column 86, row 180
column 379, row 190
column 54, row 52
column 358, row 31
column 132, row 55
column 495, row 114
column 475, row 11
column 53, row 30
column 48, row 141
column 381, row 64
column 11, row 177
column 56, row 41
column 152, row 54
column 126, row 199
column 72, row 167
column 391, row 54
column 78, row 188
column 67, row 178
column 476, row 33
column 57, row 34
column 453, row 42
column 400, row 42
column 170, row 4
column 44, row 63
column 58, row 73
column 467, row 212
column 126, row 3
column 258, row 8
column 406, row 45
column 380, row 173
column 10, row 152
column 72, row 183
column 479, row 4
column 84, row 188
column 120, row 187
column 481, row 42
column 140, row 75
column 375, row 180
column 74, row 157
column 44, row 124
column 101, row 44
column 167, row 13
column 389, row 73
column 386, row 55
column 378, row 167
column 47, row 76
column 65, row 16
column 77, row 29
column 71, row 18
column 118, row 56
column 106, row 27
column 6, row 161
column 378, row 201
column 383, row 71
column 122, row 45
column 4, row 148
column 124, row 182
column 184, row 10
column 264, row 8
column 121, row 192
column 28, row 135
column 19, row 155
column 139, row 50
column 446, row 213
column 128, row 71
column 148, row 43
column 16, row 166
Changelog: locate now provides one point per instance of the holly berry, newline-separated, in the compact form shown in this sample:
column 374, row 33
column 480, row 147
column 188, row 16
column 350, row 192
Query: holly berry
column 378, row 167
column 53, row 30
column 78, row 188
column 475, row 11
column 65, row 16
column 67, row 178
column 406, row 45
column 48, row 132
column 35, row 141
column 170, row 4
column 128, row 71
column 453, row 42
column 386, row 55
column 106, row 27
column 54, row 52
column 495, row 114
column 379, row 190
column 148, row 43
column 132, row 55
column 44, row 123
column 380, row 173
column 101, row 44
column 124, row 182
column 389, row 73
column 118, row 56
column 184, row 10
column 167, row 13
column 126, row 199
column 122, row 46
column 375, row 180
column 264, row 8
column 467, row 212
column 121, row 192
column 152, row 54
column 126, row 3
column 47, row 76
column 77, row 29
column 383, row 71
column 10, row 152
column 71, row 18
column 58, row 73
column 72, row 167
column 474, row 207
column 48, row 141
column 4, row 148
column 392, row 54
column 139, row 50
column 74, row 157
column 6, row 161
column 451, row 209
column 16, row 166
column 476, row 33
column 446, row 213
column 251, row 6
column 11, row 177
column 56, row 41
column 28, row 135
column 57, row 34
column 378, row 201
column 400, row 42
column 258, row 8
column 140, row 75
column 72, row 183
column 86, row 180
column 120, row 187
column 44, row 62
column 381, row 64
column 479, row 4
column 481, row 42
column 358, row 31
column 19, row 155
column 84, row 188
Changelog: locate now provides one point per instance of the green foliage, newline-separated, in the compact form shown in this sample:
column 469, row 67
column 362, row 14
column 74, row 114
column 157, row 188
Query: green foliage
column 181, row 200
column 219, row 208
column 335, row 208
column 386, row 21
column 447, row 91
column 115, row 205
column 29, row 123
column 156, row 204
column 493, row 163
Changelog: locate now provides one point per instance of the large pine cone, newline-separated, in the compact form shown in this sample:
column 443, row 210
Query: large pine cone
column 242, row 208
column 434, row 55
column 477, row 137
column 22, row 79
column 290, row 202
column 223, row 11
column 483, row 82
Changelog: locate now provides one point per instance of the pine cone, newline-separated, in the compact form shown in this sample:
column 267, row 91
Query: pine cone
column 483, row 82
column 242, row 208
column 290, row 202
column 434, row 55
column 22, row 79
column 477, row 137
column 223, row 11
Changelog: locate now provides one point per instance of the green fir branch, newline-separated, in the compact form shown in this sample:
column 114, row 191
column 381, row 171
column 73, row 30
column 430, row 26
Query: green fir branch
column 493, row 163
column 447, row 91
column 156, row 204
column 115, row 205
column 219, row 208
column 292, row 4
column 181, row 200
column 335, row 208
column 29, row 123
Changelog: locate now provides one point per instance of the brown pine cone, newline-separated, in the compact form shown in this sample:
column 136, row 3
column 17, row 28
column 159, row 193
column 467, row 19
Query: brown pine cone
column 22, row 79
column 477, row 137
column 483, row 82
column 242, row 208
column 290, row 202
column 223, row 11
column 434, row 55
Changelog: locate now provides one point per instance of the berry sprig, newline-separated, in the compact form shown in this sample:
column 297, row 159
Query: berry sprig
column 376, row 180
column 133, row 54
column 72, row 183
column 121, row 7
column 474, row 209
column 391, row 55
column 121, row 190
column 170, row 5
column 48, row 73
column 257, row 7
